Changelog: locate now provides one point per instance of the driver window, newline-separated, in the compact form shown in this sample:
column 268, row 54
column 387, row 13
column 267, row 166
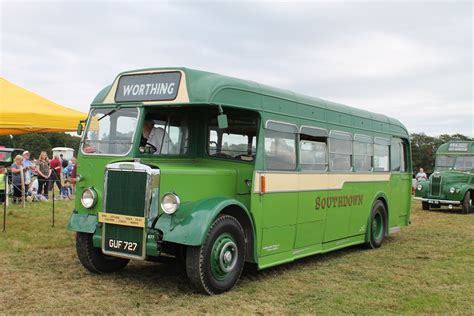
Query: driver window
column 165, row 135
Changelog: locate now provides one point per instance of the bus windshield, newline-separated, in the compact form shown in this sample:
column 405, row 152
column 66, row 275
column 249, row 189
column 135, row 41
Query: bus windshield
column 463, row 163
column 110, row 131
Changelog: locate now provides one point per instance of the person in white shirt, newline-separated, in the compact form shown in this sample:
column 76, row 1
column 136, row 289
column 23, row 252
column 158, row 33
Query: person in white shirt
column 421, row 176
column 27, row 164
column 153, row 137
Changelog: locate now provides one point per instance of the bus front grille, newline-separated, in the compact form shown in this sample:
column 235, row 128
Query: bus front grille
column 125, row 194
column 435, row 185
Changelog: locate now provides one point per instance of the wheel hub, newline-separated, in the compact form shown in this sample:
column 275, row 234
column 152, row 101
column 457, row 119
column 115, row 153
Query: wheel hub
column 377, row 229
column 228, row 256
column 224, row 256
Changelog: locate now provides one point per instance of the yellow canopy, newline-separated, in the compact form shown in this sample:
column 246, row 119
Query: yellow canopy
column 22, row 111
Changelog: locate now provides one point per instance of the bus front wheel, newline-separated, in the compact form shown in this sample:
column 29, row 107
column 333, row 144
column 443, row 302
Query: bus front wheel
column 425, row 206
column 467, row 203
column 216, row 265
column 93, row 259
column 377, row 225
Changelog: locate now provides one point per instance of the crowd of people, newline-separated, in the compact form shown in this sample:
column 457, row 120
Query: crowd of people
column 41, row 175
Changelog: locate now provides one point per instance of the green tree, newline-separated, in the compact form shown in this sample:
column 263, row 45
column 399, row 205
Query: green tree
column 423, row 148
column 63, row 140
column 34, row 143
column 6, row 140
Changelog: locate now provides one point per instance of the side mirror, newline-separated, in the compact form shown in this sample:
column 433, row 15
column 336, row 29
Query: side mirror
column 79, row 128
column 222, row 121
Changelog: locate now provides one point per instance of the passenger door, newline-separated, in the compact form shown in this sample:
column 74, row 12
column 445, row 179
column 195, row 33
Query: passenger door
column 279, row 188
column 336, row 202
column 313, row 166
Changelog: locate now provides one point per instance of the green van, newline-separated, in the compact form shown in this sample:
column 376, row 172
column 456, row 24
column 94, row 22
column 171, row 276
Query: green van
column 452, row 183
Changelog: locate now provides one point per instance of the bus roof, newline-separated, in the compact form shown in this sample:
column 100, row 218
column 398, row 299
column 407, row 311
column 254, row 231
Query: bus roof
column 456, row 147
column 211, row 88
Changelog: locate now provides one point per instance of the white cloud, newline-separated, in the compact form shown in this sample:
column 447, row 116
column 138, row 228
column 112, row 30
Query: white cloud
column 374, row 55
column 407, row 60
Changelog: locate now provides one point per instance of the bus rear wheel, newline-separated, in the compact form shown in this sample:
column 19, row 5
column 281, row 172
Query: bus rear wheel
column 216, row 265
column 377, row 225
column 467, row 203
column 93, row 259
column 425, row 206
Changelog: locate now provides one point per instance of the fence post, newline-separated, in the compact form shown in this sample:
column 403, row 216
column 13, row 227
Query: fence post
column 53, row 203
column 22, row 175
column 5, row 203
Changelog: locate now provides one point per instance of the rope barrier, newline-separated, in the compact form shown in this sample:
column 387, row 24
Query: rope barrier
column 9, row 194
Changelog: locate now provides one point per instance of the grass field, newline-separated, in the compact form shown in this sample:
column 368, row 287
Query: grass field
column 427, row 268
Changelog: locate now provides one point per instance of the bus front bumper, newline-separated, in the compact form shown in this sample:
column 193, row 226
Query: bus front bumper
column 436, row 201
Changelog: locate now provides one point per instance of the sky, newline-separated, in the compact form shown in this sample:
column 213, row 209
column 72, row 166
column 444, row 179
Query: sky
column 409, row 60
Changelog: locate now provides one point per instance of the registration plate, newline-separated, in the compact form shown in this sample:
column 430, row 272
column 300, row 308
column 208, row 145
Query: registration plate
column 123, row 241
column 433, row 201
column 122, row 245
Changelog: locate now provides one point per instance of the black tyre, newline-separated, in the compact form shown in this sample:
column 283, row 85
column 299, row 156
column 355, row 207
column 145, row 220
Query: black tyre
column 93, row 259
column 216, row 266
column 377, row 225
column 467, row 203
column 425, row 206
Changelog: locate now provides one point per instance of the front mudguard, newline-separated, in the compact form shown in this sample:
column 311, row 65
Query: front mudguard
column 424, row 190
column 84, row 223
column 191, row 222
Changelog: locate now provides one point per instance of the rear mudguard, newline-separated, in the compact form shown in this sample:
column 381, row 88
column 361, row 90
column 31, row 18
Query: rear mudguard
column 383, row 197
column 189, row 225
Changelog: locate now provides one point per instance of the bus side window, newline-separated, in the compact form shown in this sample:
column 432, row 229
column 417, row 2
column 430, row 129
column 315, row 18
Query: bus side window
column 381, row 154
column 313, row 149
column 396, row 155
column 403, row 155
column 340, row 151
column 363, row 151
column 280, row 146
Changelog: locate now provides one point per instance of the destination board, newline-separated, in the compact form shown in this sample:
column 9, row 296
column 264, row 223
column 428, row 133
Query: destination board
column 148, row 87
column 458, row 147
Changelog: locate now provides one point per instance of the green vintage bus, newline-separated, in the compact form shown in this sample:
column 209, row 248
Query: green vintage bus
column 231, row 171
column 452, row 182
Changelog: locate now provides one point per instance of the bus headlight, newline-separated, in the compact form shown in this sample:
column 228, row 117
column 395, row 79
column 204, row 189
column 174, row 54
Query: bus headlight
column 419, row 187
column 170, row 203
column 452, row 190
column 88, row 198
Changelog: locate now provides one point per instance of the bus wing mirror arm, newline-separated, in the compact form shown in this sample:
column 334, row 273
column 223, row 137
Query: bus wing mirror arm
column 222, row 119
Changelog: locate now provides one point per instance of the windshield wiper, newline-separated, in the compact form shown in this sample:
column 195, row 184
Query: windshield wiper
column 110, row 113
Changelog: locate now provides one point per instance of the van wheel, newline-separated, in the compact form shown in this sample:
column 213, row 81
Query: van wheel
column 425, row 206
column 216, row 266
column 377, row 225
column 467, row 203
column 93, row 259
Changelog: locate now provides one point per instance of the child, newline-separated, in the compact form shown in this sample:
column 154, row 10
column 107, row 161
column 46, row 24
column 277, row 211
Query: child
column 66, row 191
column 32, row 195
